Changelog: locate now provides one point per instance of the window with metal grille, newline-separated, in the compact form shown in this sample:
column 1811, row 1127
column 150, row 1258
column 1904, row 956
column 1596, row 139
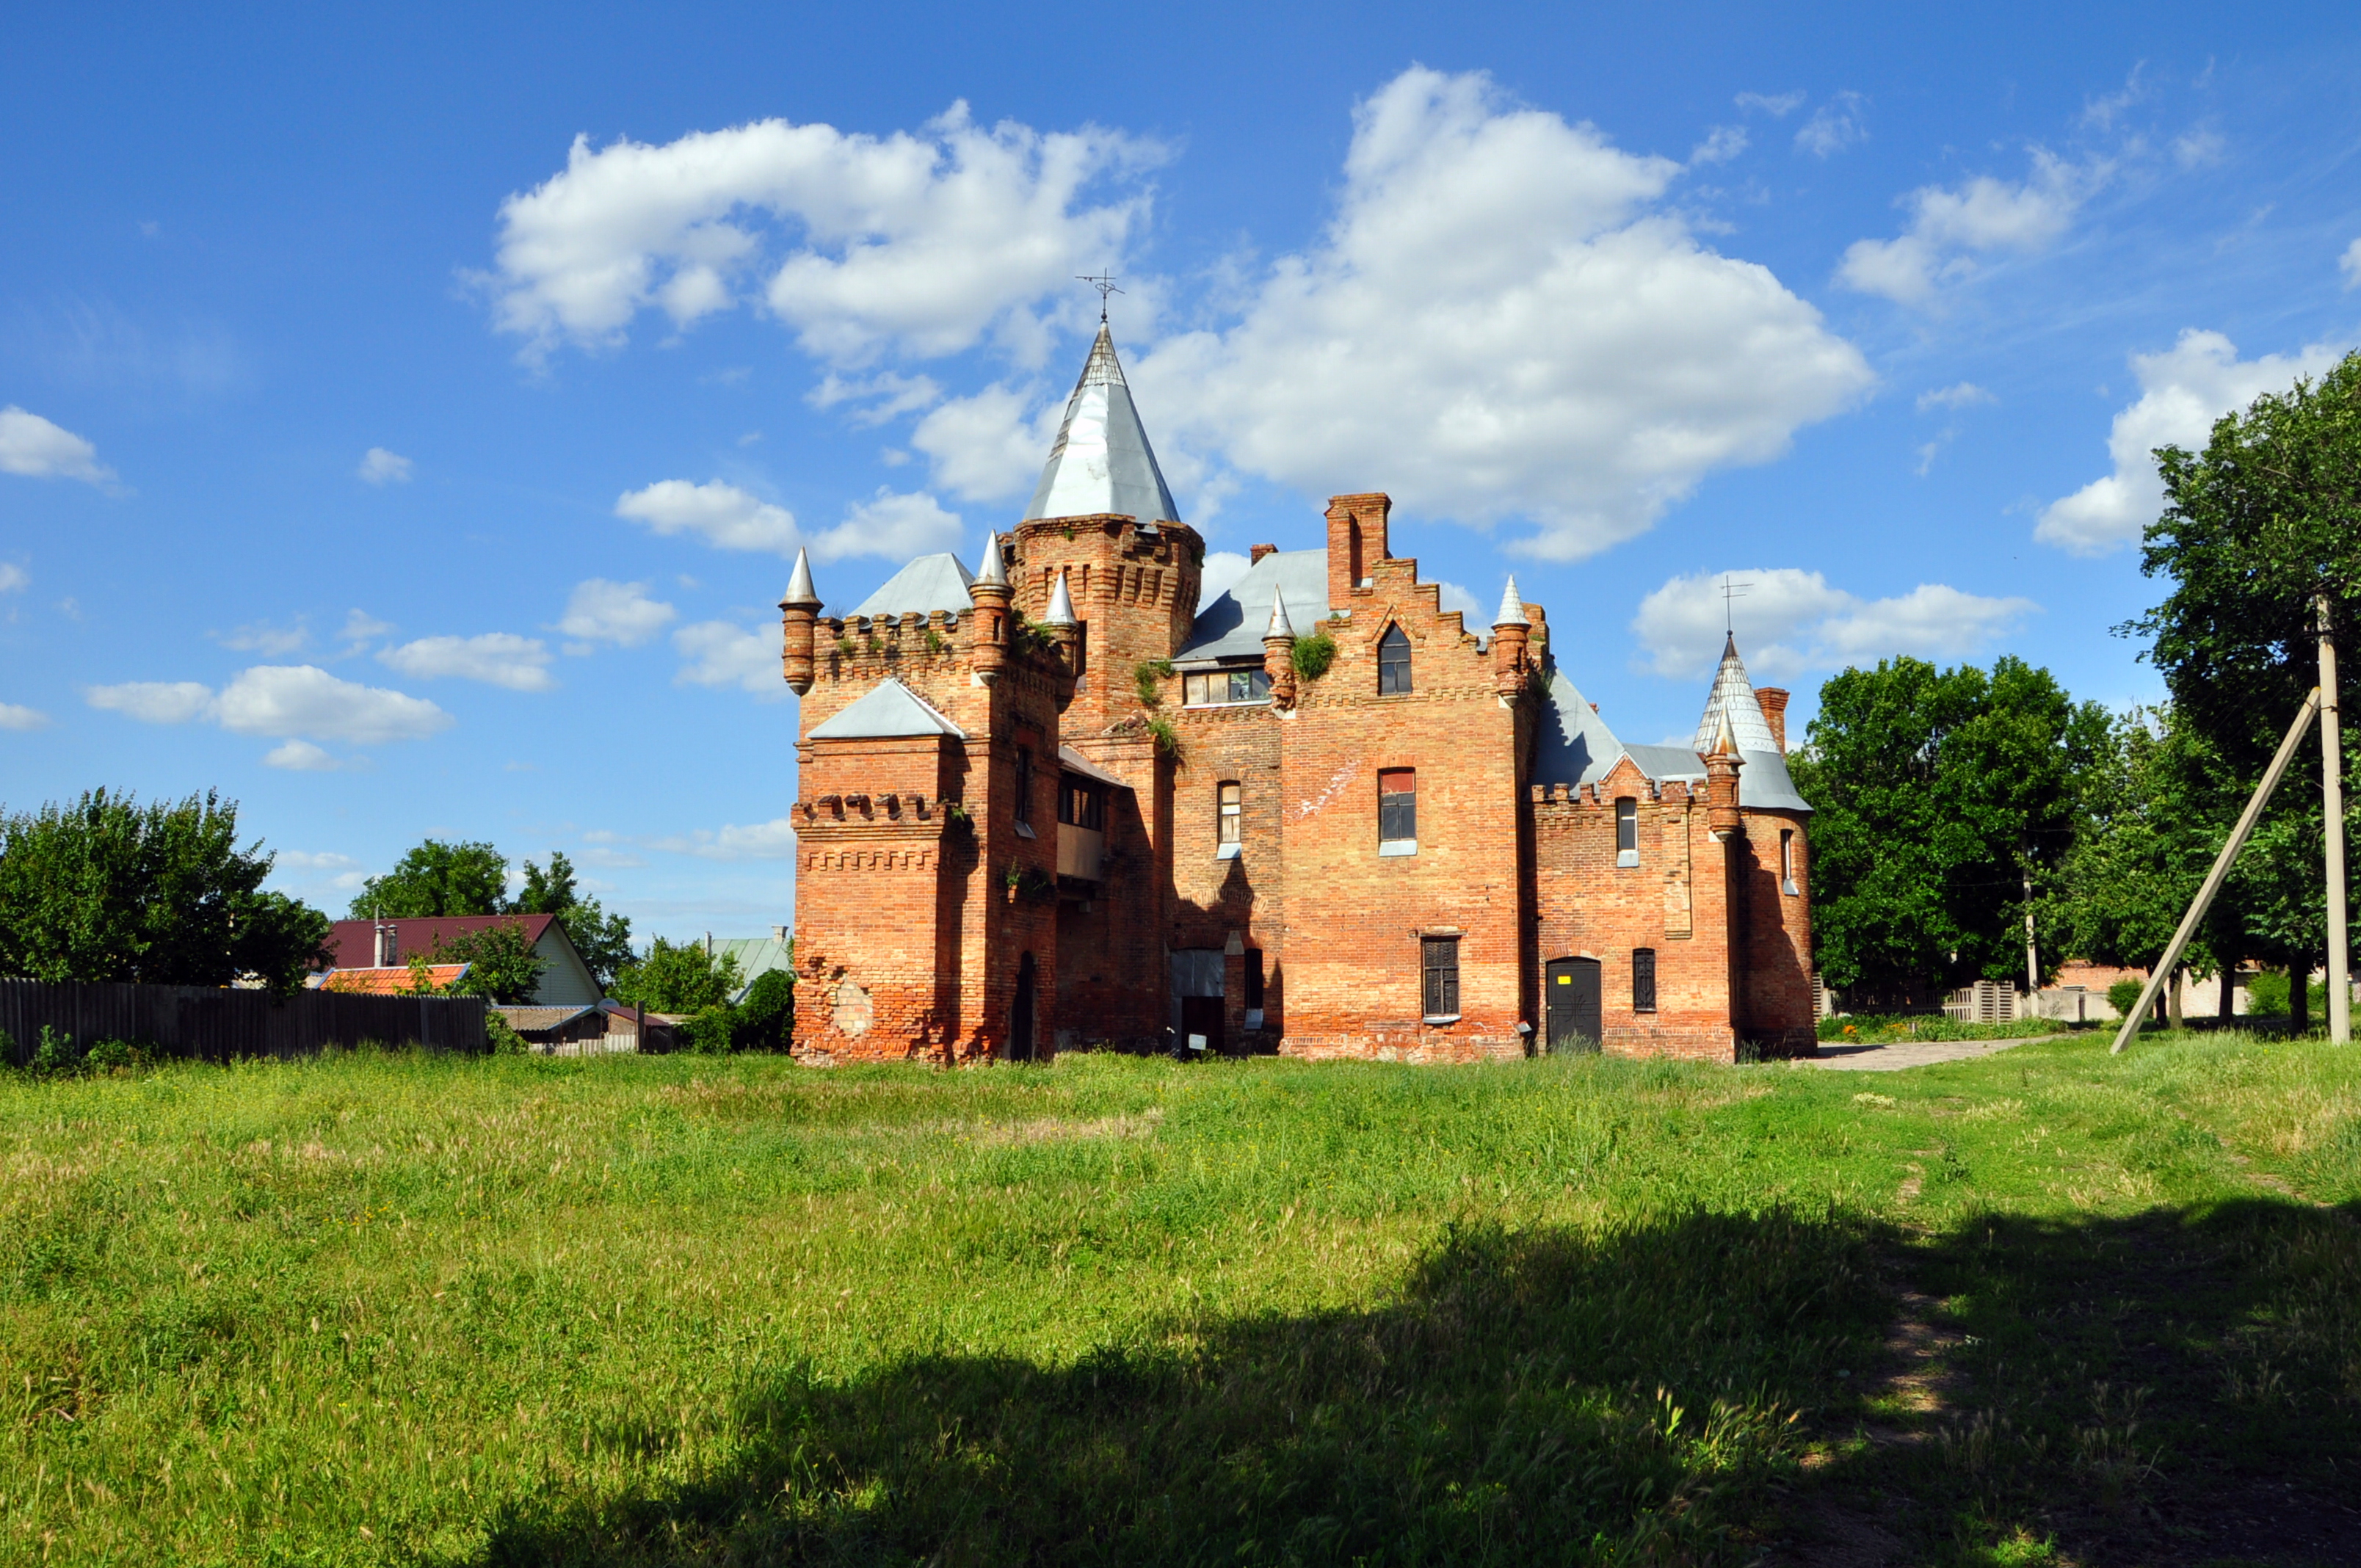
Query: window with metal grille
column 1229, row 813
column 1224, row 687
column 1396, row 805
column 1627, row 832
column 1080, row 806
column 1393, row 663
column 1644, row 980
column 1787, row 861
column 1439, row 966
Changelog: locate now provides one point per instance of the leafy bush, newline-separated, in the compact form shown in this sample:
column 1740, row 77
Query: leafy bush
column 711, row 1033
column 766, row 1019
column 2270, row 992
column 2124, row 994
column 501, row 1037
column 1876, row 1029
column 683, row 979
column 1311, row 655
column 55, row 1055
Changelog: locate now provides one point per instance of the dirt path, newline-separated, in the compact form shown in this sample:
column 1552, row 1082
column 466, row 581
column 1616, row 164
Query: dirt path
column 1904, row 1054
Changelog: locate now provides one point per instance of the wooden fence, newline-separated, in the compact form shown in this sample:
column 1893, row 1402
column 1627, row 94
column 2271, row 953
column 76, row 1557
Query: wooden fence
column 212, row 1024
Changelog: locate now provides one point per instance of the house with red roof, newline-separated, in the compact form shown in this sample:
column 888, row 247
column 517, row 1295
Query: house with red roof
column 565, row 979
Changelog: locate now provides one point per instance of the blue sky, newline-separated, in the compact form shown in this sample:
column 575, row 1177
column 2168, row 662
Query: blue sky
column 406, row 423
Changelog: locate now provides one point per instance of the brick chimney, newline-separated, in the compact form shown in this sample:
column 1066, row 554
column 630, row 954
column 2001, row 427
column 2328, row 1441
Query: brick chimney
column 1356, row 542
column 1259, row 552
column 1773, row 702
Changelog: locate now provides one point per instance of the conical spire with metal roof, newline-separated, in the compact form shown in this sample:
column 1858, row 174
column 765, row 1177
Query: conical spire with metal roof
column 1732, row 701
column 1061, row 604
column 995, row 574
column 1102, row 461
column 1280, row 626
column 800, row 592
column 1512, row 607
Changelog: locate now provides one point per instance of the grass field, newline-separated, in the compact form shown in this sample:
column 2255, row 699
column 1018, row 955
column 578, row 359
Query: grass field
column 2043, row 1307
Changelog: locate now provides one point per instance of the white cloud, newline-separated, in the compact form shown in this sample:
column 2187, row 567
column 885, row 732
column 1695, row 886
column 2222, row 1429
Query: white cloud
column 1722, row 144
column 1949, row 226
column 1965, row 394
column 380, row 466
column 891, row 524
column 1498, row 322
column 33, row 446
column 1220, row 574
column 1777, row 105
column 2200, row 147
column 727, row 517
column 1834, row 125
column 261, row 637
column 986, row 447
column 302, row 699
column 1454, row 597
column 153, row 702
column 362, row 626
column 281, row 700
column 496, row 658
column 2350, row 265
column 302, row 757
column 885, row 394
column 721, row 654
column 620, row 613
column 772, row 840
column 1789, row 620
column 927, row 241
column 13, row 717
column 13, row 578
column 2183, row 390
column 345, row 870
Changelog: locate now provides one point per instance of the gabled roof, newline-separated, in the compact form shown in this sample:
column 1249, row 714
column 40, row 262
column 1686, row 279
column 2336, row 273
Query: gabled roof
column 926, row 584
column 1102, row 461
column 356, row 940
column 887, row 710
column 396, row 982
column 1232, row 626
column 1733, row 694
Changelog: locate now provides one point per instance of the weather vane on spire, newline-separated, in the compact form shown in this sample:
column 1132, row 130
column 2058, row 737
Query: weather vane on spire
column 1106, row 286
column 1729, row 591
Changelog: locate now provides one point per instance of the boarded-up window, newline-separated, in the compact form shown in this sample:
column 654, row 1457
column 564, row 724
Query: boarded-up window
column 1227, row 825
column 1393, row 661
column 1627, row 832
column 1396, row 804
column 1224, row 687
column 1644, row 980
column 1440, row 967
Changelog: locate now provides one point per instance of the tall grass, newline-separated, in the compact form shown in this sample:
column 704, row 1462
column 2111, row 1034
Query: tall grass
column 389, row 1308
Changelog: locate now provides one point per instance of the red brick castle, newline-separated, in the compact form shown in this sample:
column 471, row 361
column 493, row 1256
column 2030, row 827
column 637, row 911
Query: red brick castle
column 1056, row 802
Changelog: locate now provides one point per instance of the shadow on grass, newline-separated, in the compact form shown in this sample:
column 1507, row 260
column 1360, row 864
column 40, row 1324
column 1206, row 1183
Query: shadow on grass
column 1672, row 1392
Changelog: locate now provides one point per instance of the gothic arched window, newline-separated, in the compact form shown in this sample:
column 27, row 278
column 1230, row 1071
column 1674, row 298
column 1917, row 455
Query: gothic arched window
column 1393, row 663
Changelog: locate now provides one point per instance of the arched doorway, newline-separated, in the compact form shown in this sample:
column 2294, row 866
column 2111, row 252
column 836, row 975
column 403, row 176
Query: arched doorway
column 1020, row 1015
column 1574, row 1005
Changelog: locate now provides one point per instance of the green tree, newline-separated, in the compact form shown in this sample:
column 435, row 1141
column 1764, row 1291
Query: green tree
column 437, row 878
column 503, row 966
column 683, row 979
column 2153, row 818
column 1936, row 795
column 109, row 890
column 604, row 941
column 766, row 1019
column 2256, row 529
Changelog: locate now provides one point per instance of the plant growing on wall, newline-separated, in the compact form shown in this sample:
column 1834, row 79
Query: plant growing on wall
column 1311, row 655
column 1149, row 676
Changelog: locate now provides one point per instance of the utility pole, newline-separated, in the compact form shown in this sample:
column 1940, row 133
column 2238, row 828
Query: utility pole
column 2331, row 813
column 2032, row 953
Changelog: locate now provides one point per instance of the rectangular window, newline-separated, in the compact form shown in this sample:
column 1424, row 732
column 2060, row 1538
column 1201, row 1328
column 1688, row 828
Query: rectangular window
column 1080, row 805
column 1787, row 861
column 1025, row 792
column 1224, row 687
column 1254, row 980
column 1644, row 980
column 1440, row 964
column 1627, row 832
column 1226, row 819
column 1397, row 809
